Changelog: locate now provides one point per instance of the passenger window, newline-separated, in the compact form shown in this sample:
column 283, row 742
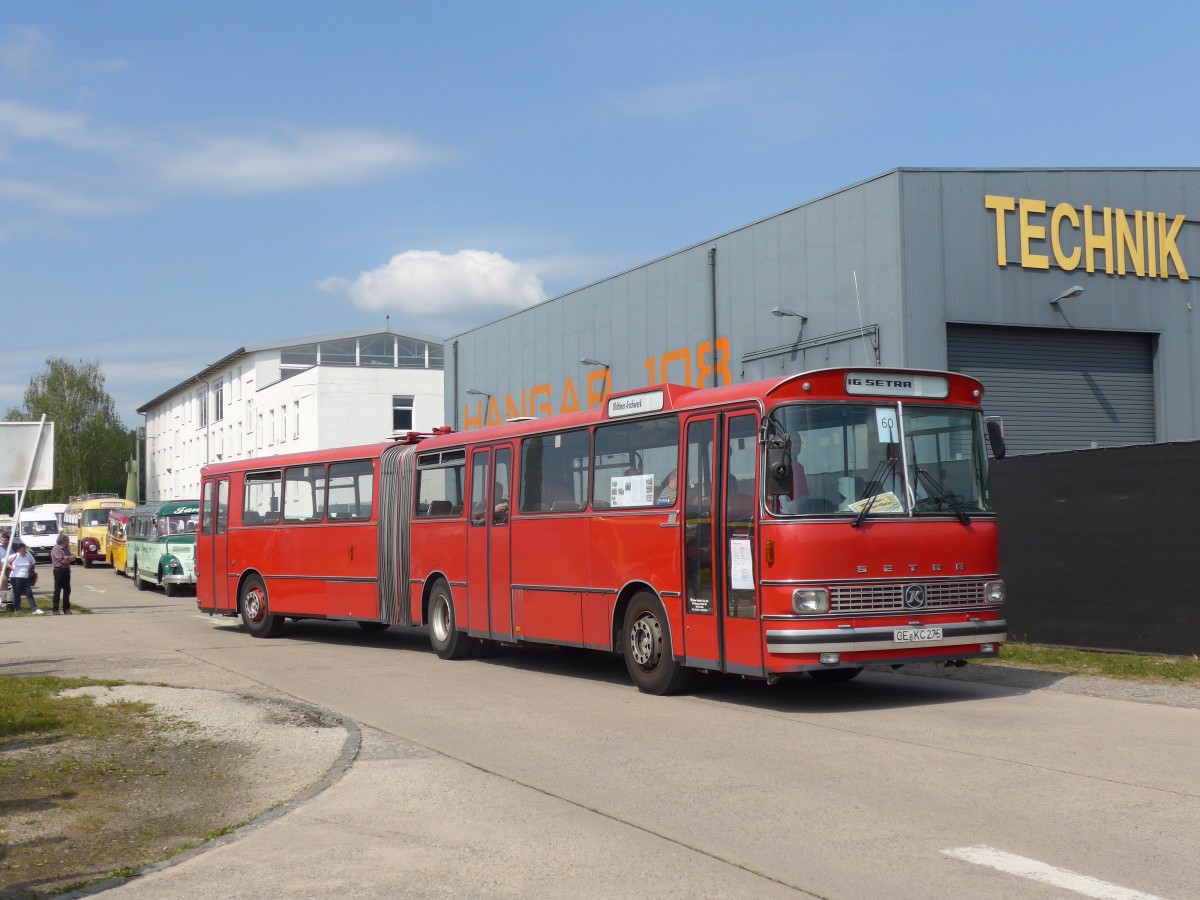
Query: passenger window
column 441, row 479
column 261, row 504
column 636, row 464
column 303, row 493
column 554, row 472
column 350, row 490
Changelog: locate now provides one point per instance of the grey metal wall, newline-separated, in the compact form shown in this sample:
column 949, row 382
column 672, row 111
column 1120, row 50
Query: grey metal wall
column 805, row 259
column 951, row 273
column 921, row 245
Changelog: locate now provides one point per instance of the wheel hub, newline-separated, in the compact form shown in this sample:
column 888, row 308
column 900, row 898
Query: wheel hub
column 646, row 640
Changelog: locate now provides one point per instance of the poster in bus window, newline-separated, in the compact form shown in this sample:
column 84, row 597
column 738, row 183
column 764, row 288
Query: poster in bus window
column 741, row 564
column 631, row 490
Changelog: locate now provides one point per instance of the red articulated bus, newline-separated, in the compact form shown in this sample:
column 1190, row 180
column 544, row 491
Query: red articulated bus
column 818, row 523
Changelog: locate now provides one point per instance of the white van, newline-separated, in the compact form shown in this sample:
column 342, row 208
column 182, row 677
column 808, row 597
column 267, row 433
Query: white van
column 39, row 530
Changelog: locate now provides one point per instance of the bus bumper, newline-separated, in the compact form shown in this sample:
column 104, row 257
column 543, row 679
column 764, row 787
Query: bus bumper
column 889, row 644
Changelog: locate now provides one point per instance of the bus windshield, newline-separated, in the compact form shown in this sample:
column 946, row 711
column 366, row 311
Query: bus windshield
column 184, row 524
column 892, row 459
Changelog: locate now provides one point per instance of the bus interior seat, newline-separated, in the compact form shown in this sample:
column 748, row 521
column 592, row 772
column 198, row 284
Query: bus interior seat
column 439, row 507
column 564, row 504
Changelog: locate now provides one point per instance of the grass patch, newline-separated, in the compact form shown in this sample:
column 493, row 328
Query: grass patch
column 1125, row 666
column 91, row 790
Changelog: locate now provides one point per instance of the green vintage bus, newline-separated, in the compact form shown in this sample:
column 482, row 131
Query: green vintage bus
column 160, row 545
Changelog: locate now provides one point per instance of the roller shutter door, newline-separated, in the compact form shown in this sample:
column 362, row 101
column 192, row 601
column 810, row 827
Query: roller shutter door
column 1059, row 389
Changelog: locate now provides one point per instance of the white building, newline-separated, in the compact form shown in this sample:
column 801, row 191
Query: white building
column 331, row 390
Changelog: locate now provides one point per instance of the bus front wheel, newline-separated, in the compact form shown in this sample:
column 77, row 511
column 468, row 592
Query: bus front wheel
column 448, row 642
column 137, row 579
column 256, row 612
column 647, row 646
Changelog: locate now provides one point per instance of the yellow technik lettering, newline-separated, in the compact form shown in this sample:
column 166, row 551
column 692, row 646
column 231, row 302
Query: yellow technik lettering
column 1031, row 232
column 1065, row 261
column 1102, row 240
column 1167, row 250
column 1130, row 239
column 1000, row 205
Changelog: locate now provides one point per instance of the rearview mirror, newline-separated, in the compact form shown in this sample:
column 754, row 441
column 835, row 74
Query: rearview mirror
column 995, row 433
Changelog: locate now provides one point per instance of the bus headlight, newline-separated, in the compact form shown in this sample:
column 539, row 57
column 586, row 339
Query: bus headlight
column 993, row 592
column 810, row 600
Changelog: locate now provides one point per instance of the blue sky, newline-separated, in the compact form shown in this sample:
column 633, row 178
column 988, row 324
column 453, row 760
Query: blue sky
column 178, row 180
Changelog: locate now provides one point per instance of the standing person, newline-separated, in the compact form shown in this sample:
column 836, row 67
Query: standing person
column 5, row 600
column 22, row 565
column 60, row 560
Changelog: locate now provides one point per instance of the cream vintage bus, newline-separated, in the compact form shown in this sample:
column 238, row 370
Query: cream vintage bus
column 85, row 523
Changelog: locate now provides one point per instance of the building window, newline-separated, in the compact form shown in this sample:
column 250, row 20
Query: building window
column 202, row 408
column 410, row 353
column 272, row 417
column 283, row 432
column 402, row 413
column 237, row 385
column 296, row 419
column 219, row 401
column 258, row 433
column 303, row 355
column 378, row 350
column 339, row 353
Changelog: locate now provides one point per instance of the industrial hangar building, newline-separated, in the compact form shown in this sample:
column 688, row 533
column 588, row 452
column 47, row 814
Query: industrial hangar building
column 1068, row 292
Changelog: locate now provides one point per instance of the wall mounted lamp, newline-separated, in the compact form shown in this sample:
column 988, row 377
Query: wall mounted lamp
column 1073, row 291
column 781, row 312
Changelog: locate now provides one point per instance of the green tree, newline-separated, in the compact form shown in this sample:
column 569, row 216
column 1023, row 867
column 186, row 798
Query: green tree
column 90, row 442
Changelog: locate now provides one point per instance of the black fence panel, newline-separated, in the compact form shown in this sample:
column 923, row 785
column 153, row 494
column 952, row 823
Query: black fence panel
column 1100, row 548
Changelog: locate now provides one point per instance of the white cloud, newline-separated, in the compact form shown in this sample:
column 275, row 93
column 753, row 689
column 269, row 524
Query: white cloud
column 429, row 285
column 242, row 165
column 679, row 100
column 60, row 201
column 20, row 121
column 25, row 53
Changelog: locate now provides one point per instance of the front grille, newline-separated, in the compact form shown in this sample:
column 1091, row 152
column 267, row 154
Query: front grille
column 889, row 597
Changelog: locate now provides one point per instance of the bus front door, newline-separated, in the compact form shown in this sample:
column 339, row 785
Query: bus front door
column 720, row 611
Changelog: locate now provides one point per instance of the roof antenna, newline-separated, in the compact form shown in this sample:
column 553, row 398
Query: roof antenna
column 862, row 332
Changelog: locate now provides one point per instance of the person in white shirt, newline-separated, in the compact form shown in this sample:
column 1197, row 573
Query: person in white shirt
column 21, row 566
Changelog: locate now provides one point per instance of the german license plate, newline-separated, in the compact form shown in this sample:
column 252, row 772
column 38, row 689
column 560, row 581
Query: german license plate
column 916, row 635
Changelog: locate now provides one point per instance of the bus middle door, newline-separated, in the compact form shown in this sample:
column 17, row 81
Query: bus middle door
column 489, row 598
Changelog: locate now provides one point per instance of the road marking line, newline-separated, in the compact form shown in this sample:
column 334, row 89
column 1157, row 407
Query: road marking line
column 96, row 589
column 1047, row 874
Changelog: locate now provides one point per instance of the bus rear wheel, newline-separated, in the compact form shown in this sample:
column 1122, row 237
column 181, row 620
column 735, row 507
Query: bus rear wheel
column 647, row 646
column 256, row 611
column 448, row 642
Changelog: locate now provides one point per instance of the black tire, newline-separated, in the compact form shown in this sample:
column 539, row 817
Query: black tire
column 374, row 626
column 137, row 580
column 87, row 563
column 646, row 641
column 171, row 590
column 445, row 638
column 256, row 611
column 835, row 676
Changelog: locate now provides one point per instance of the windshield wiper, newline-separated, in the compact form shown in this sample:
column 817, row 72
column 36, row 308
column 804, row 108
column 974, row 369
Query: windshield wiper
column 862, row 513
column 874, row 488
column 941, row 496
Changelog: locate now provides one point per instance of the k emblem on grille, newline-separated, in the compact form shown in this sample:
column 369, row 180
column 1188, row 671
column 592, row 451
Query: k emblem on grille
column 914, row 596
